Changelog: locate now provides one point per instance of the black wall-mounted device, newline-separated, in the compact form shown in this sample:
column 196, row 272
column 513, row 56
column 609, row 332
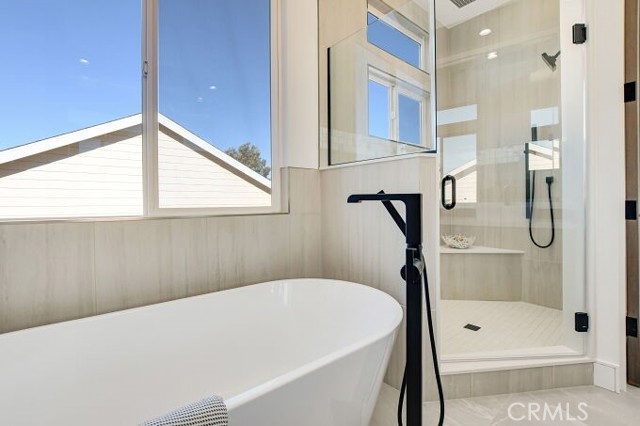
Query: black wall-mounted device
column 582, row 322
column 630, row 92
column 631, row 210
column 632, row 327
column 579, row 34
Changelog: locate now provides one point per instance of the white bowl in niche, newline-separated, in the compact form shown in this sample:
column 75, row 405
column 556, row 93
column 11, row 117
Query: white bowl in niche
column 458, row 241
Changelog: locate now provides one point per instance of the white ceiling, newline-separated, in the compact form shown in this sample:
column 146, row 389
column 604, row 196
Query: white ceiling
column 449, row 15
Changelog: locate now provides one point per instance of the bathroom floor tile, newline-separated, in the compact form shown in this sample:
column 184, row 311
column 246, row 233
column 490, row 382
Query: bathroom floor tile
column 603, row 408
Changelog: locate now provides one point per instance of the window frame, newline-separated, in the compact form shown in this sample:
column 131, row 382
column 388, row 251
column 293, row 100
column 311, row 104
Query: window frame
column 396, row 88
column 150, row 125
column 405, row 26
column 149, row 56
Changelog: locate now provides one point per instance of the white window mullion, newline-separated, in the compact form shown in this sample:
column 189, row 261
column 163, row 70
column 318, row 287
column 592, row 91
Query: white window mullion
column 150, row 106
column 394, row 108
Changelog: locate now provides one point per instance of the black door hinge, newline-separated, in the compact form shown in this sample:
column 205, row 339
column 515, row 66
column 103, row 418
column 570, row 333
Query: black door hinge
column 630, row 91
column 632, row 327
column 582, row 322
column 579, row 33
column 631, row 210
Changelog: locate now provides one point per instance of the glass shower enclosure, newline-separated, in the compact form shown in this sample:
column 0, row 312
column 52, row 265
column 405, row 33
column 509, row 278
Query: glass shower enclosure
column 510, row 118
column 495, row 89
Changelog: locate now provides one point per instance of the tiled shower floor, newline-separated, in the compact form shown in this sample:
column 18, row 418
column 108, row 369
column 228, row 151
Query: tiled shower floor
column 505, row 327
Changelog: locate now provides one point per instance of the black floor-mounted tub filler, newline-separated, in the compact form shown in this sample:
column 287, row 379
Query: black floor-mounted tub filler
column 413, row 272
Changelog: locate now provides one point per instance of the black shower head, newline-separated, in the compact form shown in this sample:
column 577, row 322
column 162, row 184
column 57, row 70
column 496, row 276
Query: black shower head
column 550, row 60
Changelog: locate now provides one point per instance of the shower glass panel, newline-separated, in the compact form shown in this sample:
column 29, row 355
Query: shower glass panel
column 510, row 125
column 380, row 87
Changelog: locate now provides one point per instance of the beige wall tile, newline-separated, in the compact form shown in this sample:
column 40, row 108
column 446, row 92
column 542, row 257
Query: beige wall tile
column 481, row 277
column 356, row 237
column 572, row 375
column 490, row 383
column 304, row 191
column 46, row 274
column 55, row 272
column 515, row 381
column 397, row 363
column 134, row 265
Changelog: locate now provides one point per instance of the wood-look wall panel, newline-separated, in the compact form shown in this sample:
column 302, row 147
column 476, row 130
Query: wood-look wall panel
column 481, row 277
column 46, row 274
column 361, row 243
column 62, row 271
column 134, row 265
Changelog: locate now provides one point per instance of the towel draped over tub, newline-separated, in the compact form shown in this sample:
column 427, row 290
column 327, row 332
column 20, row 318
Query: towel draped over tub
column 210, row 411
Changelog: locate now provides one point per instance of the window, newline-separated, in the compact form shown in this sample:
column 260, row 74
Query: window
column 397, row 109
column 409, row 118
column 379, row 110
column 83, row 135
column 70, row 126
column 214, row 81
column 398, row 36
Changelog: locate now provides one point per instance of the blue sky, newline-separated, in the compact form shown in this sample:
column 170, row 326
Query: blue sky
column 71, row 64
column 393, row 41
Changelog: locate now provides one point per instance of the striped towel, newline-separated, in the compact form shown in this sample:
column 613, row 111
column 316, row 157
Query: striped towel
column 210, row 411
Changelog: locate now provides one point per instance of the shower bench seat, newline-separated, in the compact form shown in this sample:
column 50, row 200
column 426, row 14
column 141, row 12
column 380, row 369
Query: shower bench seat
column 481, row 273
column 478, row 250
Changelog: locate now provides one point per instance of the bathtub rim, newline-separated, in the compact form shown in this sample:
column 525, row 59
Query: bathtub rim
column 278, row 381
column 284, row 379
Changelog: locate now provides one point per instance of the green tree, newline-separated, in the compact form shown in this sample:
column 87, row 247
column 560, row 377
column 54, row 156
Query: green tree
column 250, row 155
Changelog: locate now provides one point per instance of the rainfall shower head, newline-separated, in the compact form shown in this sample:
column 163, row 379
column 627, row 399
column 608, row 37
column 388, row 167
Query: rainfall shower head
column 550, row 60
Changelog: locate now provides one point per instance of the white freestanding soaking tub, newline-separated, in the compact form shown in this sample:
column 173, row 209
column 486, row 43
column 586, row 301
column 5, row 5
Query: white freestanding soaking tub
column 285, row 353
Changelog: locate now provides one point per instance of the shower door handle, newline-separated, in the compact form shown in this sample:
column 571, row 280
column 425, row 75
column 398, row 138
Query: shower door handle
column 452, row 204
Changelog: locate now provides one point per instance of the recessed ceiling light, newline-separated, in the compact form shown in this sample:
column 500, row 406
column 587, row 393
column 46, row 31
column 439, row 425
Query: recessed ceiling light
column 485, row 32
column 492, row 55
column 212, row 87
column 84, row 61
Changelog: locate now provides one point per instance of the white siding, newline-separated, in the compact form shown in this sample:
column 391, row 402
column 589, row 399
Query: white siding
column 103, row 177
column 191, row 179
column 76, row 180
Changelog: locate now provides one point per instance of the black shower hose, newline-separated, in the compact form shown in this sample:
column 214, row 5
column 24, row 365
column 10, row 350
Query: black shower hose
column 434, row 354
column 533, row 199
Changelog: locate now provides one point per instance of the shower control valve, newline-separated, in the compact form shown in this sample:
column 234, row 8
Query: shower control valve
column 418, row 266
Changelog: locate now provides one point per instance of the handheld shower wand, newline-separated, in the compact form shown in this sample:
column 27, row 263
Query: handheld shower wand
column 549, row 181
column 413, row 272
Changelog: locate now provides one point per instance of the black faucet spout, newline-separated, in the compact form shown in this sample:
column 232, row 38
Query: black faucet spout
column 412, row 227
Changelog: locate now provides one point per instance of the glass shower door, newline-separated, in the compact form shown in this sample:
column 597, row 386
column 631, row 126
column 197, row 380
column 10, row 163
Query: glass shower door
column 510, row 105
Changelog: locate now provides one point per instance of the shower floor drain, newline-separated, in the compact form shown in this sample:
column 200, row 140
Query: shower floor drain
column 472, row 327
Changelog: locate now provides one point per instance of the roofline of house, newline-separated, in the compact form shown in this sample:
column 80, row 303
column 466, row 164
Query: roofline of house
column 70, row 138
